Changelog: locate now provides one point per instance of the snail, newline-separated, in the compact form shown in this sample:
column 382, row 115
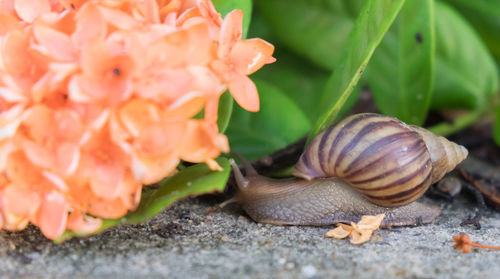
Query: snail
column 367, row 164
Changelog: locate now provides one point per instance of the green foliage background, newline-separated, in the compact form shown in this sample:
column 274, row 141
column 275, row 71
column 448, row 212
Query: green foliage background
column 419, row 55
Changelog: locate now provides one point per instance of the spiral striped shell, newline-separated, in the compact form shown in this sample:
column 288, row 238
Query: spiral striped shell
column 390, row 162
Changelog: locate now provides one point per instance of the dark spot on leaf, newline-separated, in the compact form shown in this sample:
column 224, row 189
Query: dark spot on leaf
column 116, row 72
column 419, row 37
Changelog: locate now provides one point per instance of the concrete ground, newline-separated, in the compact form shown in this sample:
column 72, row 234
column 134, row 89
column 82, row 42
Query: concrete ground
column 185, row 242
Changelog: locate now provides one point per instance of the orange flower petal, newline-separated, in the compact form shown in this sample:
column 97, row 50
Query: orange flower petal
column 165, row 85
column 53, row 215
column 90, row 24
column 151, row 11
column 20, row 170
column 6, row 147
column 131, row 192
column 107, row 180
column 57, row 44
column 39, row 121
column 20, row 200
column 188, row 46
column 341, row 231
column 202, row 142
column 7, row 6
column 244, row 92
column 111, row 91
column 361, row 236
column 108, row 209
column 369, row 222
column 67, row 158
column 137, row 114
column 250, row 55
column 161, row 137
column 360, row 232
column 230, row 33
column 28, row 10
column 68, row 125
column 10, row 120
column 56, row 181
column 185, row 107
column 15, row 222
column 8, row 23
column 207, row 9
column 72, row 4
column 39, row 155
column 14, row 50
column 118, row 18
column 81, row 223
column 149, row 170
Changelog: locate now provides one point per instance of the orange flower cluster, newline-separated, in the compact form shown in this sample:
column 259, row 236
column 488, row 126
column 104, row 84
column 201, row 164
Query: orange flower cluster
column 99, row 97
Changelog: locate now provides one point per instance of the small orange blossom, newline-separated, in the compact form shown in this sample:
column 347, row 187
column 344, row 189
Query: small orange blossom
column 463, row 242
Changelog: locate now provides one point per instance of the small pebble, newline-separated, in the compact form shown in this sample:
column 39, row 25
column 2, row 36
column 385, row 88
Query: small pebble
column 242, row 218
column 289, row 265
column 308, row 271
column 281, row 261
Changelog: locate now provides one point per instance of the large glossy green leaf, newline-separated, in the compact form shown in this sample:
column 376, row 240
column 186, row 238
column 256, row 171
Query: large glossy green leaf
column 316, row 29
column 466, row 73
column 401, row 72
column 484, row 15
column 297, row 78
column 225, row 6
column 278, row 123
column 375, row 19
column 191, row 181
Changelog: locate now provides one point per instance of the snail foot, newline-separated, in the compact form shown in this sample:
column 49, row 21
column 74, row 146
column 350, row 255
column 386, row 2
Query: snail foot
column 414, row 214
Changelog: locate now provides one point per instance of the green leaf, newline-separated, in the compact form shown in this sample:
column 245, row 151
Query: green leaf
column 225, row 6
column 300, row 80
column 484, row 15
column 401, row 72
column 371, row 26
column 466, row 73
column 316, row 29
column 191, row 181
column 496, row 126
column 278, row 123
column 224, row 112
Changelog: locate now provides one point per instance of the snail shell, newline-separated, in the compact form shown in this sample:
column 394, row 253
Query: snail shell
column 389, row 162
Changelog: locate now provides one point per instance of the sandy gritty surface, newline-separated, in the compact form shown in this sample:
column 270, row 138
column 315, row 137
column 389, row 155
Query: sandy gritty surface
column 183, row 242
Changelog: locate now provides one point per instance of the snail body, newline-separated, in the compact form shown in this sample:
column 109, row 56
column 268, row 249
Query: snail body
column 367, row 164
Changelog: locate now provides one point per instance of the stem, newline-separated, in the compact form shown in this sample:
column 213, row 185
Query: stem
column 473, row 244
column 446, row 129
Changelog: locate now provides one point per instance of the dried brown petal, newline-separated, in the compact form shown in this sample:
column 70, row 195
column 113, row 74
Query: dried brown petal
column 340, row 232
